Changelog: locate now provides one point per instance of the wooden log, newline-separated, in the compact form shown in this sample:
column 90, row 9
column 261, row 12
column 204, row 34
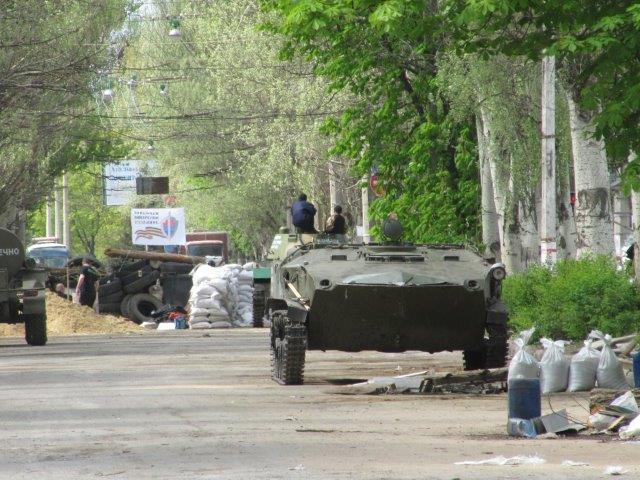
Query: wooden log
column 615, row 341
column 600, row 398
column 157, row 256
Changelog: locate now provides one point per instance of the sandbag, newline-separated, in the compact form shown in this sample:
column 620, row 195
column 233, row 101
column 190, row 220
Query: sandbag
column 554, row 366
column 249, row 266
column 199, row 325
column 584, row 368
column 523, row 365
column 221, row 324
column 609, row 373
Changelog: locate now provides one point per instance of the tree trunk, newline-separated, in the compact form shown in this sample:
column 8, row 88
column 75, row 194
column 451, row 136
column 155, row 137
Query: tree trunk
column 635, row 212
column 490, row 218
column 622, row 230
column 567, row 234
column 593, row 201
column 548, row 250
column 504, row 199
column 530, row 236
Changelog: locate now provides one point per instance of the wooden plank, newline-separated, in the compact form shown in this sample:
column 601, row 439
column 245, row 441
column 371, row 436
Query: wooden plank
column 158, row 256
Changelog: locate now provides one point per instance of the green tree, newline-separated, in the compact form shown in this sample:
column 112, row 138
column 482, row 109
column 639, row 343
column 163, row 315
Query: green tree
column 385, row 53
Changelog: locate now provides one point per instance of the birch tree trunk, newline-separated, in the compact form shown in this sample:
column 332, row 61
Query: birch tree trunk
column 593, row 201
column 529, row 236
column 489, row 216
column 567, row 234
column 635, row 214
column 504, row 199
column 548, row 250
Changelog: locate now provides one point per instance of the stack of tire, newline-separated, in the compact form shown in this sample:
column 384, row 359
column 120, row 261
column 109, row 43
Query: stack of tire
column 126, row 291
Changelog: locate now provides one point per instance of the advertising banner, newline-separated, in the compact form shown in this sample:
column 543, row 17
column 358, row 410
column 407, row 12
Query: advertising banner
column 158, row 226
column 120, row 179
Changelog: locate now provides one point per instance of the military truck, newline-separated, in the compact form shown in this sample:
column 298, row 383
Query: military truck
column 22, row 289
column 389, row 297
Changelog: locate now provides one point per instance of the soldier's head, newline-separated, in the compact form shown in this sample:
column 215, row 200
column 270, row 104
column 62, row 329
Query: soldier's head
column 302, row 197
column 337, row 209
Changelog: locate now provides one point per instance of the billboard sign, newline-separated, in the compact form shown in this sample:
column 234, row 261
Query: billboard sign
column 158, row 226
column 120, row 179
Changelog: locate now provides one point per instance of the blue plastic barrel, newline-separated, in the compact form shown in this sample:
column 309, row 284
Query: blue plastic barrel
column 636, row 370
column 524, row 398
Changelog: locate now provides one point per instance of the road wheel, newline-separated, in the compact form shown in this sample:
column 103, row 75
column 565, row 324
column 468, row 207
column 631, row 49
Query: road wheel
column 259, row 299
column 35, row 329
column 141, row 305
column 288, row 349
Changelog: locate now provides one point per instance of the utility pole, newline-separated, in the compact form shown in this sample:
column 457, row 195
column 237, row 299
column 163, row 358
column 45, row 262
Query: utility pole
column 365, row 210
column 49, row 218
column 58, row 211
column 335, row 194
column 66, row 231
column 548, row 248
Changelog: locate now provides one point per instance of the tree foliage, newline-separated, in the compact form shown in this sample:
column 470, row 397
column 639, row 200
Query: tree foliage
column 385, row 54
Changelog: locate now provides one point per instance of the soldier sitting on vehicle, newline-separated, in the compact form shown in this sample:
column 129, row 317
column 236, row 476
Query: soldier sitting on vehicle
column 303, row 213
column 336, row 223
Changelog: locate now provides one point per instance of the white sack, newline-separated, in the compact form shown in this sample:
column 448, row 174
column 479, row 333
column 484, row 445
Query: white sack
column 523, row 365
column 202, row 290
column 208, row 303
column 609, row 374
column 204, row 272
column 554, row 367
column 196, row 312
column 221, row 324
column 199, row 325
column 249, row 266
column 584, row 368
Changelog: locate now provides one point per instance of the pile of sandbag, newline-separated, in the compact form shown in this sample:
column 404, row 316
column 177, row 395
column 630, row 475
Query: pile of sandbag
column 588, row 368
column 221, row 297
column 243, row 283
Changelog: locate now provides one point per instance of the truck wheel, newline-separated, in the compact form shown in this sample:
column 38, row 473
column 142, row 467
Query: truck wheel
column 112, row 297
column 35, row 329
column 259, row 300
column 141, row 305
column 288, row 348
column 142, row 283
column 124, row 305
column 110, row 288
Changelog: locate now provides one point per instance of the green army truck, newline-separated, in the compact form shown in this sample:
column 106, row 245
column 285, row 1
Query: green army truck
column 22, row 289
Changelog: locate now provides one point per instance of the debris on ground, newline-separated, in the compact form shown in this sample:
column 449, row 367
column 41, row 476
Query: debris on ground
column 517, row 460
column 571, row 463
column 615, row 470
column 67, row 318
column 473, row 382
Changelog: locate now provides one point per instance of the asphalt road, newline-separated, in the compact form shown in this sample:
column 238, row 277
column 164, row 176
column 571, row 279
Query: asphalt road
column 180, row 405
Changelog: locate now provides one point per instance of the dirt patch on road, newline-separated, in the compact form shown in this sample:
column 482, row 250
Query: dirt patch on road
column 66, row 318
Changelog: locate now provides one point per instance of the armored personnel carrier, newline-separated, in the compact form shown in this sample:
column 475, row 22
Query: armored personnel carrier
column 22, row 287
column 327, row 295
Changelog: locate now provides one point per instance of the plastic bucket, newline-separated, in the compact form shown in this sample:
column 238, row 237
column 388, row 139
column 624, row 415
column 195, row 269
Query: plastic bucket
column 636, row 370
column 524, row 398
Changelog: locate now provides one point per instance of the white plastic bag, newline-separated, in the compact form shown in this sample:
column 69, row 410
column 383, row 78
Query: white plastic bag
column 554, row 367
column 632, row 430
column 609, row 374
column 523, row 365
column 584, row 368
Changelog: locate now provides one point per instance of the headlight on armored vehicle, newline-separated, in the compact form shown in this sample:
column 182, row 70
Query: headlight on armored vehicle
column 498, row 272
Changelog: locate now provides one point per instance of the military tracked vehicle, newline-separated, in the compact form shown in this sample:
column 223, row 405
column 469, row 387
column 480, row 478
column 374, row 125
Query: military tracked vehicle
column 328, row 295
column 22, row 289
